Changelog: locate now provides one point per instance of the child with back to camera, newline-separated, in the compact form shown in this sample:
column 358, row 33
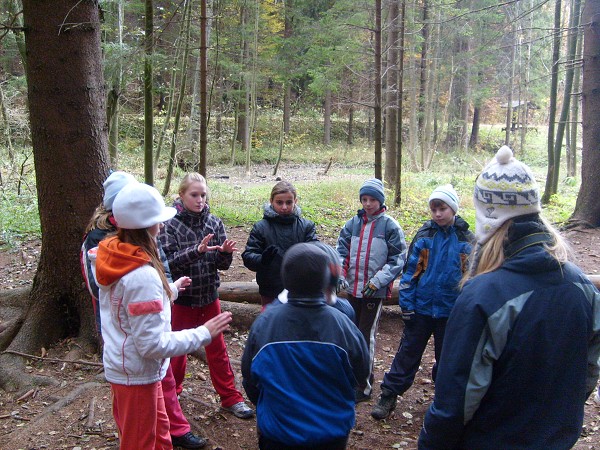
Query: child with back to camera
column 522, row 344
column 135, row 307
column 372, row 250
column 101, row 225
column 281, row 227
column 437, row 260
column 196, row 244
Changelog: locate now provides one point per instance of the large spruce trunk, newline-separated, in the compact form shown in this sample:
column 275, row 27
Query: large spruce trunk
column 587, row 208
column 66, row 95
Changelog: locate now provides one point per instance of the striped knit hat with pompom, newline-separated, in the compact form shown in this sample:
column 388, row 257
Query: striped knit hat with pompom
column 505, row 189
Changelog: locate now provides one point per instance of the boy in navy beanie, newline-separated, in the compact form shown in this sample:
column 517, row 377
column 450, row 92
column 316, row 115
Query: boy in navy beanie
column 372, row 250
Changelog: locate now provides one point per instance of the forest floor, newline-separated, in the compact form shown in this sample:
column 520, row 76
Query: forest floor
column 76, row 412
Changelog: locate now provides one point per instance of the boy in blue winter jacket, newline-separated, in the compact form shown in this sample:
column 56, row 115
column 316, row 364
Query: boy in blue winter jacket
column 437, row 260
column 302, row 360
column 373, row 251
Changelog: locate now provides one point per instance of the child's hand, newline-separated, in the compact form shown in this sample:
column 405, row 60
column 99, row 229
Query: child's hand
column 218, row 324
column 182, row 283
column 407, row 315
column 204, row 247
column 342, row 285
column 369, row 290
column 228, row 246
column 269, row 254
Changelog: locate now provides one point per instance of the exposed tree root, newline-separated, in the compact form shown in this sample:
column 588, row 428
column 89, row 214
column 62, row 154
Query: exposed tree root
column 66, row 400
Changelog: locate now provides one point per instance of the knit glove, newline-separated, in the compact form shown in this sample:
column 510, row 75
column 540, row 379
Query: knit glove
column 407, row 315
column 269, row 254
column 369, row 290
column 342, row 285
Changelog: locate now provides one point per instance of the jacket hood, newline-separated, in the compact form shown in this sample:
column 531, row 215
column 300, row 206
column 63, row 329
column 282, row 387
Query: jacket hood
column 525, row 249
column 115, row 259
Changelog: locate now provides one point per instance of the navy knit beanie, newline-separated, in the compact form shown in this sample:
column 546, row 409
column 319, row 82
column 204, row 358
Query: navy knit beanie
column 305, row 270
column 374, row 188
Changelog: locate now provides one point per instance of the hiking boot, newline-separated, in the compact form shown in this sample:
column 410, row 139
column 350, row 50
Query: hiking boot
column 385, row 405
column 188, row 440
column 360, row 396
column 240, row 410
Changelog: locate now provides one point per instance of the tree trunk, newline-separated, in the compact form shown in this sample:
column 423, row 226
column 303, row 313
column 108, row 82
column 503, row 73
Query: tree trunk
column 391, row 108
column 566, row 106
column 66, row 96
column 572, row 157
column 377, row 86
column 148, row 85
column 327, row 118
column 185, row 42
column 203, row 89
column 587, row 208
column 474, row 139
column 552, row 163
column 114, row 94
column 400, row 99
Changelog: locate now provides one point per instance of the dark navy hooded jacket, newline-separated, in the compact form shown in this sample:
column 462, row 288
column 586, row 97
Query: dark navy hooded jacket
column 300, row 367
column 519, row 359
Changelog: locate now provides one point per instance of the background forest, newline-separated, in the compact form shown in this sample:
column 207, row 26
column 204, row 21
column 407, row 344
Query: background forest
column 415, row 93
column 325, row 93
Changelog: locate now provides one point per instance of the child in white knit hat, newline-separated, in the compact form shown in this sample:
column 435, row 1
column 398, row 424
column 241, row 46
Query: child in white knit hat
column 373, row 251
column 522, row 344
column 437, row 260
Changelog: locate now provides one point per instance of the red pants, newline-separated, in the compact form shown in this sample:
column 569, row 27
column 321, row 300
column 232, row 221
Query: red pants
column 221, row 374
column 142, row 421
column 178, row 424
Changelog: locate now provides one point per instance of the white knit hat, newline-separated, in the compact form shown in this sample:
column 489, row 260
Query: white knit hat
column 113, row 185
column 505, row 189
column 140, row 206
column 447, row 194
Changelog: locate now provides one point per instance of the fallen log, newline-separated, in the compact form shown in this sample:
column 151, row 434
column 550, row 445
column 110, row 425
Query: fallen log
column 247, row 292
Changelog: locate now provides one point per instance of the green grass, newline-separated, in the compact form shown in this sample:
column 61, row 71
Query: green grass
column 330, row 200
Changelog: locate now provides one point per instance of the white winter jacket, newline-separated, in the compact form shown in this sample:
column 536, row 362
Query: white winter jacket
column 136, row 316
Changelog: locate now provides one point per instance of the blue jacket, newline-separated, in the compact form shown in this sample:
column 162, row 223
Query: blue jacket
column 372, row 249
column 519, row 359
column 281, row 231
column 300, row 365
column 437, row 260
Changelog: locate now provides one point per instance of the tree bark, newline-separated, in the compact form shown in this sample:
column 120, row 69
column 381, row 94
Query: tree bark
column 67, row 109
column 552, row 163
column 148, row 85
column 391, row 111
column 587, row 208
column 203, row 89
column 377, row 85
column 327, row 118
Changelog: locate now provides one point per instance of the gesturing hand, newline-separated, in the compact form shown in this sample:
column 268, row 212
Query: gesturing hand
column 182, row 283
column 204, row 247
column 228, row 246
column 218, row 324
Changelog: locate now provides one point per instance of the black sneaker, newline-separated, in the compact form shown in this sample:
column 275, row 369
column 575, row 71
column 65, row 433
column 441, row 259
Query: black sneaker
column 188, row 440
column 360, row 396
column 385, row 405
